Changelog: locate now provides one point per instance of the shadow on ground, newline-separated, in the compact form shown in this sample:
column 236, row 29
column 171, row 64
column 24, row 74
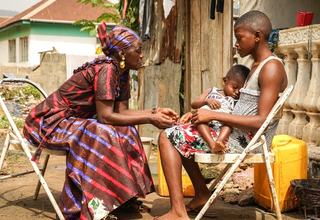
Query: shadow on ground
column 16, row 198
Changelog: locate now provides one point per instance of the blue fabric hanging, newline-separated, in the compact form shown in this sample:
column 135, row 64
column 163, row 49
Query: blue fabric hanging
column 274, row 37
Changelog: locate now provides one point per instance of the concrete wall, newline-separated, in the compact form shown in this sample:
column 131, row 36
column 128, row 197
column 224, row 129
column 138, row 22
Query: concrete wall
column 50, row 75
column 67, row 45
column 54, row 70
column 19, row 71
column 75, row 61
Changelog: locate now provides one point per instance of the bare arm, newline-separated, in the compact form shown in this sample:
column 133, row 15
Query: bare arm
column 201, row 101
column 122, row 107
column 274, row 72
column 122, row 116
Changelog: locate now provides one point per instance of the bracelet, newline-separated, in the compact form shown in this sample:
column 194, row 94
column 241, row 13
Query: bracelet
column 154, row 110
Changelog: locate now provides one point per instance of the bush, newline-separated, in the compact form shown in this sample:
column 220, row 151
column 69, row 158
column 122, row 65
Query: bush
column 10, row 95
column 4, row 123
column 31, row 90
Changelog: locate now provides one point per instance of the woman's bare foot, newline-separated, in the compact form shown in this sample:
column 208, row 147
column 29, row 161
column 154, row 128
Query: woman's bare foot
column 198, row 202
column 218, row 147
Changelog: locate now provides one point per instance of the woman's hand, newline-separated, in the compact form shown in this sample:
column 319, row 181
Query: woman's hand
column 186, row 118
column 201, row 116
column 161, row 121
column 169, row 112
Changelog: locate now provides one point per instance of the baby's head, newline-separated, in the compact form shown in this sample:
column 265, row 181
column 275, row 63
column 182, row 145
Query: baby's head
column 234, row 80
column 251, row 29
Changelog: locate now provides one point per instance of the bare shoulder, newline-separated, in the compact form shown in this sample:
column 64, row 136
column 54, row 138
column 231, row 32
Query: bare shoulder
column 206, row 92
column 273, row 71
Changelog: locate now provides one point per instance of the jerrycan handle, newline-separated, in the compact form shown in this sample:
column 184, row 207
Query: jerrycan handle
column 286, row 140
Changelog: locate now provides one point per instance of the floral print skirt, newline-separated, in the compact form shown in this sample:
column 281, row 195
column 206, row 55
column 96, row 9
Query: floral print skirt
column 187, row 140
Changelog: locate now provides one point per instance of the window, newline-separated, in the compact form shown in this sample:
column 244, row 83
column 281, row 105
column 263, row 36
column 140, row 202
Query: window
column 23, row 49
column 98, row 40
column 12, row 51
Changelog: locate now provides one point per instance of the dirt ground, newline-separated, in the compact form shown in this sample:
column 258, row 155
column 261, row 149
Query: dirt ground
column 16, row 196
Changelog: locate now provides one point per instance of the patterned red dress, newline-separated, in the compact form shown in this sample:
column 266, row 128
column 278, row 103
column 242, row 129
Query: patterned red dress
column 106, row 165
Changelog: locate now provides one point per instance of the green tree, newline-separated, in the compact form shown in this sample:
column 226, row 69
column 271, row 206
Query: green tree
column 131, row 18
column 132, row 14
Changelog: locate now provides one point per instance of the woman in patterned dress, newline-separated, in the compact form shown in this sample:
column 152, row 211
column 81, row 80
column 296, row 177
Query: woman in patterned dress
column 266, row 80
column 106, row 163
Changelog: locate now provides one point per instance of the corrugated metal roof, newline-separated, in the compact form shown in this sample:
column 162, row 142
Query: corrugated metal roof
column 57, row 10
column 2, row 19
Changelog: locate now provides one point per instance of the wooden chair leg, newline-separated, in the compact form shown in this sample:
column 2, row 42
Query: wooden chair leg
column 271, row 180
column 43, row 170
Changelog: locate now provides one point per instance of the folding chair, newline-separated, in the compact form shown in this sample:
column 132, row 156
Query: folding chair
column 234, row 160
column 15, row 140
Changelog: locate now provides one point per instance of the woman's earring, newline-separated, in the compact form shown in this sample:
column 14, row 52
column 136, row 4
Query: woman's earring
column 122, row 64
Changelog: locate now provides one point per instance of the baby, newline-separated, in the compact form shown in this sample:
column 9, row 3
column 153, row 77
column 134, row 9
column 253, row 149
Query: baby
column 221, row 100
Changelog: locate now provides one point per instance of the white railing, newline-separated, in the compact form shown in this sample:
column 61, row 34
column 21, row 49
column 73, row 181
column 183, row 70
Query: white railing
column 300, row 49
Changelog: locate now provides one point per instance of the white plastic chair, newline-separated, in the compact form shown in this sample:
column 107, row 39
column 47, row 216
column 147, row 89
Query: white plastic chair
column 234, row 160
column 19, row 143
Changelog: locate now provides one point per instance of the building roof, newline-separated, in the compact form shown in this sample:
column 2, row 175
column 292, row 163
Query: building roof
column 2, row 19
column 56, row 11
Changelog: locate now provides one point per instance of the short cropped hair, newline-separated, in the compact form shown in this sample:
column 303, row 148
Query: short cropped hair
column 256, row 20
column 238, row 71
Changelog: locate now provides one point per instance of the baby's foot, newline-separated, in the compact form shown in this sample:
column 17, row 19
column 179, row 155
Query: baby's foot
column 218, row 147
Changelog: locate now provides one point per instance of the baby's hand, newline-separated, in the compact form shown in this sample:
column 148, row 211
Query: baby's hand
column 186, row 118
column 214, row 104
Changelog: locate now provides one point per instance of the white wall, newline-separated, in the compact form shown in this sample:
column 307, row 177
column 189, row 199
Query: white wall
column 68, row 45
column 4, row 51
column 82, row 46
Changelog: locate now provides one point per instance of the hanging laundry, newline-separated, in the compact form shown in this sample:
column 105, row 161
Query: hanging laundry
column 145, row 15
column 220, row 5
column 274, row 37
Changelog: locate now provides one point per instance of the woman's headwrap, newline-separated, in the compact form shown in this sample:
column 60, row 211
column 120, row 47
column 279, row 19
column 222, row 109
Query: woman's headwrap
column 119, row 38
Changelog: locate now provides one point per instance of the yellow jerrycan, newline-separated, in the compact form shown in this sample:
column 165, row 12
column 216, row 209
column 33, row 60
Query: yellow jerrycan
column 291, row 162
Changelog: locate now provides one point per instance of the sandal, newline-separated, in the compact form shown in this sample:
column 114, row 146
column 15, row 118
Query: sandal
column 192, row 211
column 133, row 205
